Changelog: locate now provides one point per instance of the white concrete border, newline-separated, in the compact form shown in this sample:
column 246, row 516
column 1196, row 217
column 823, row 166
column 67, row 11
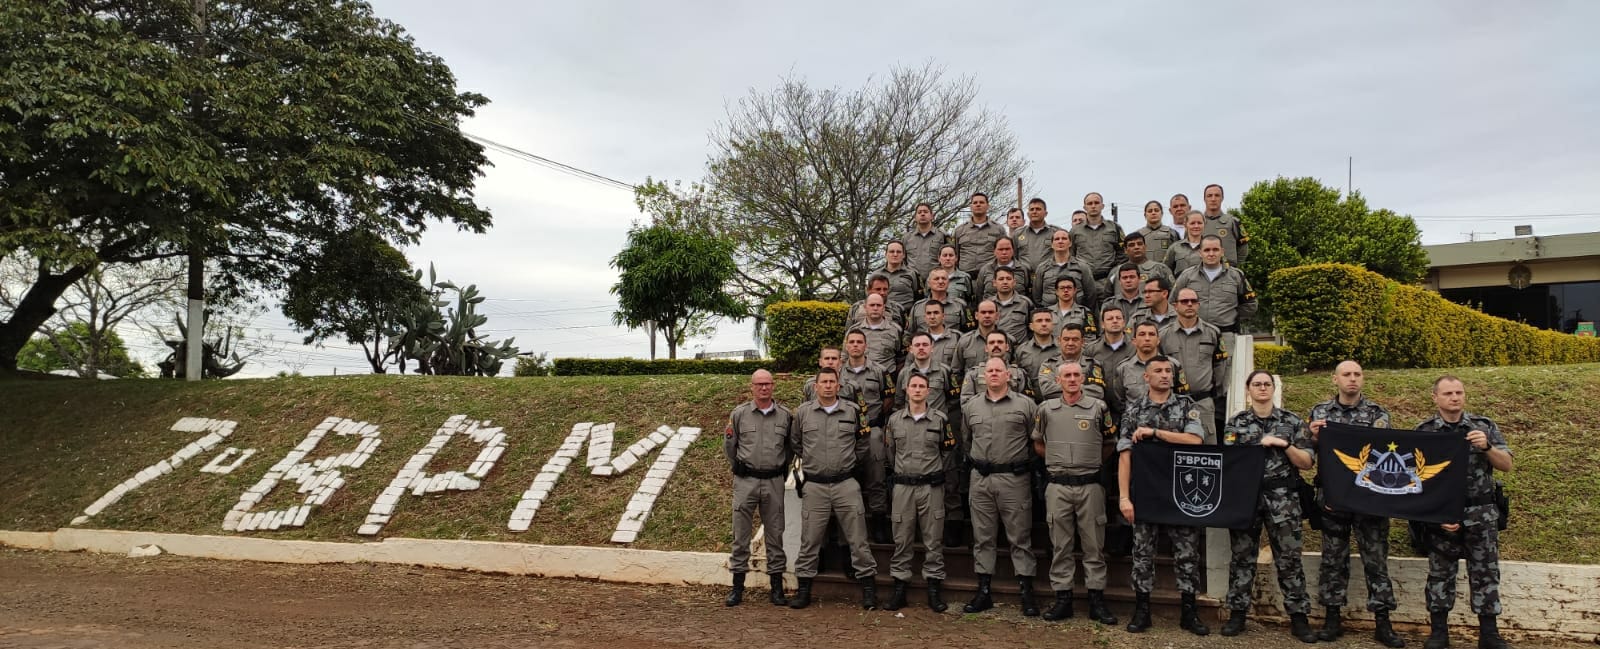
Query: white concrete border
column 584, row 562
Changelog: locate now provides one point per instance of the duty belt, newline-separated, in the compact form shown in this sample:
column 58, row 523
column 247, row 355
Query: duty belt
column 1285, row 482
column 743, row 470
column 1199, row 394
column 1076, row 480
column 1230, row 329
column 1014, row 468
column 827, row 478
column 930, row 478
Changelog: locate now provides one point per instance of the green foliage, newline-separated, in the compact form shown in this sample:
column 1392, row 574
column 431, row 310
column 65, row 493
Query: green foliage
column 1331, row 312
column 635, row 366
column 532, row 365
column 1299, row 221
column 1278, row 359
column 76, row 348
column 124, row 136
column 796, row 331
column 355, row 287
column 676, row 279
column 444, row 340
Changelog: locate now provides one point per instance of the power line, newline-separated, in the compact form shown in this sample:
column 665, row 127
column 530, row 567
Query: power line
column 1479, row 217
column 507, row 149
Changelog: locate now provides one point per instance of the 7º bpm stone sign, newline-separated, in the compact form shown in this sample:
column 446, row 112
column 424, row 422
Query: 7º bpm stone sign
column 318, row 479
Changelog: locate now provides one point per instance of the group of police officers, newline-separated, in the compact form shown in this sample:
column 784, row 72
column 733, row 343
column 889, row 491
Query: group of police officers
column 990, row 366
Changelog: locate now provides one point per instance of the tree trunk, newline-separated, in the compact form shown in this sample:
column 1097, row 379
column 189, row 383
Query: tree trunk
column 671, row 334
column 37, row 305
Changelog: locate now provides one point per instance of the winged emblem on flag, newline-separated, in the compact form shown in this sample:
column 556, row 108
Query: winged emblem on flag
column 1390, row 472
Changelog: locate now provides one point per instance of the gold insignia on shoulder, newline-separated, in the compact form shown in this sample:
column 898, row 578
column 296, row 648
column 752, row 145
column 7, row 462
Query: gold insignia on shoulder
column 1382, row 422
column 1045, row 369
column 1194, row 413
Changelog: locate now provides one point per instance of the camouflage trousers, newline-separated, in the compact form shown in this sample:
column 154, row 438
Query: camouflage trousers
column 1372, row 538
column 1185, row 555
column 1279, row 513
column 1480, row 546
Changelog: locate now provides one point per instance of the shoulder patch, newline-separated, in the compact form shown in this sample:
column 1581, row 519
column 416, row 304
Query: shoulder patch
column 1194, row 413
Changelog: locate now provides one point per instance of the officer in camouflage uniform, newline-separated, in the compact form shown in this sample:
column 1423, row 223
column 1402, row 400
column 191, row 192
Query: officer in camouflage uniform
column 919, row 437
column 1162, row 415
column 756, row 443
column 1288, row 444
column 995, row 424
column 1477, row 537
column 1372, row 532
column 873, row 388
column 830, row 435
column 1068, row 432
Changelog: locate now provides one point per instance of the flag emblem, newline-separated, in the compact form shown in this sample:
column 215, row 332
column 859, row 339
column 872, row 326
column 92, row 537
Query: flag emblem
column 1197, row 482
column 1390, row 472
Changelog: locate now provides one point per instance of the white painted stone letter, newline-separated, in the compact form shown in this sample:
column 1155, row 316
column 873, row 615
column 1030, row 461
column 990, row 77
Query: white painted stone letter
column 318, row 479
column 412, row 477
column 215, row 431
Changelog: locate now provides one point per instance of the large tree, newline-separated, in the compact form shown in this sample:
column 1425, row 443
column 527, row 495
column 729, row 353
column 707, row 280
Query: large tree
column 356, row 287
column 133, row 130
column 675, row 279
column 74, row 347
column 811, row 183
column 1298, row 221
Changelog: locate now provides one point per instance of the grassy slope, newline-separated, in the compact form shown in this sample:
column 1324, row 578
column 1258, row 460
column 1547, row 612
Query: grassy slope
column 64, row 443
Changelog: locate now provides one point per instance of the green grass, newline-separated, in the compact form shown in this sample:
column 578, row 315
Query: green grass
column 1548, row 415
column 63, row 443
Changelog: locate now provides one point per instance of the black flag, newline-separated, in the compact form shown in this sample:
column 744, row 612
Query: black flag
column 1202, row 486
column 1408, row 474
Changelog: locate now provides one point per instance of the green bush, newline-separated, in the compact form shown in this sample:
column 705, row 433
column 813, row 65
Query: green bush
column 637, row 366
column 1278, row 359
column 797, row 330
column 1330, row 312
column 533, row 365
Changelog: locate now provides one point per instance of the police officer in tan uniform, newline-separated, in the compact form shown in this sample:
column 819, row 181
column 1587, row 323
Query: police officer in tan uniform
column 997, row 422
column 756, row 443
column 830, row 436
column 1069, row 432
column 919, row 438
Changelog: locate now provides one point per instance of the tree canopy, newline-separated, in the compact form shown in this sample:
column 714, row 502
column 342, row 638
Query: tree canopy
column 1298, row 221
column 133, row 130
column 811, row 183
column 76, row 348
column 356, row 287
column 676, row 279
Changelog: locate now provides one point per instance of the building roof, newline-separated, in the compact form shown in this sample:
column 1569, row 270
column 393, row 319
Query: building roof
column 1520, row 249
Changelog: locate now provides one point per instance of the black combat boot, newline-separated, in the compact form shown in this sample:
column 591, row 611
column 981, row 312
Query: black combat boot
column 776, row 596
column 802, row 595
column 1300, row 628
column 1097, row 608
column 737, row 594
column 1030, row 608
column 1141, row 613
column 1189, row 616
column 897, row 599
column 982, row 601
column 1439, row 630
column 878, row 529
column 1062, row 608
column 1384, row 633
column 869, row 593
column 1235, row 624
column 1332, row 626
column 936, row 602
column 1489, row 633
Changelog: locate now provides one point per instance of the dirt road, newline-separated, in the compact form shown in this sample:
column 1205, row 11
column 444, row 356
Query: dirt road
column 83, row 600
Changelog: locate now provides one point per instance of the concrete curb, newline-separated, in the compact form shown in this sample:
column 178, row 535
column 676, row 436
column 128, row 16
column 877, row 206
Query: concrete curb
column 584, row 562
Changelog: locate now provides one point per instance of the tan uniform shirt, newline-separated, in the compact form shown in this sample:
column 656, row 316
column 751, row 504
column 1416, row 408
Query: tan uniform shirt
column 1073, row 434
column 976, row 243
column 828, row 443
column 756, row 438
column 998, row 429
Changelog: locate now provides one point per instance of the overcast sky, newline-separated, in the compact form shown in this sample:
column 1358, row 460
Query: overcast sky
column 1462, row 114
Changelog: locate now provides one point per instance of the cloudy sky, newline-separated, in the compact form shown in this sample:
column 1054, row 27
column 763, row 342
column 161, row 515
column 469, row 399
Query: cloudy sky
column 1470, row 116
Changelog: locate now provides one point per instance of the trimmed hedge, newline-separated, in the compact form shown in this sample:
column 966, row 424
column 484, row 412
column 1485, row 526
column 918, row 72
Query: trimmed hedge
column 1278, row 359
column 636, row 366
column 1330, row 312
column 796, row 331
